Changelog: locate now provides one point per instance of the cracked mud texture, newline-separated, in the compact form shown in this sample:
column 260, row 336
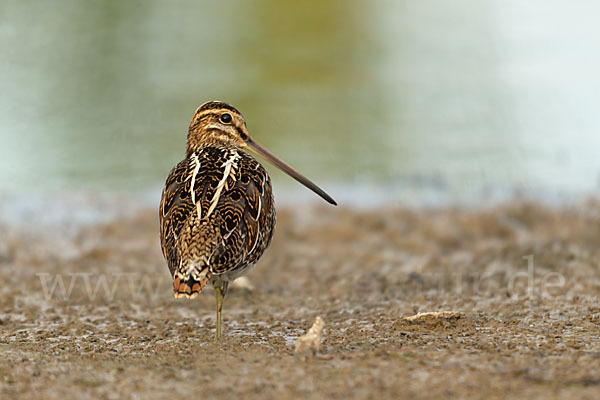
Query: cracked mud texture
column 522, row 327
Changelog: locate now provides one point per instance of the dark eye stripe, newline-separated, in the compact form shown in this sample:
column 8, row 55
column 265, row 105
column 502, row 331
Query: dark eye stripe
column 241, row 133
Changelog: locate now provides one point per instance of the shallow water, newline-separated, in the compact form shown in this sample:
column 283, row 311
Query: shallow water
column 411, row 99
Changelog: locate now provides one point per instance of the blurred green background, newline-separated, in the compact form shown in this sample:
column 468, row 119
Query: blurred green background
column 392, row 98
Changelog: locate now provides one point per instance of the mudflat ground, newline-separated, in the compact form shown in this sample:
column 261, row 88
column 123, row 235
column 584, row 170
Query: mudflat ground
column 88, row 309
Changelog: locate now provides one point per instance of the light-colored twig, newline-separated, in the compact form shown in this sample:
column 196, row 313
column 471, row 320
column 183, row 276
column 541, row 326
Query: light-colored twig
column 310, row 343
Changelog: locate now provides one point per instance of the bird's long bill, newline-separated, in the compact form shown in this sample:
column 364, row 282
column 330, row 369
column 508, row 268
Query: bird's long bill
column 258, row 149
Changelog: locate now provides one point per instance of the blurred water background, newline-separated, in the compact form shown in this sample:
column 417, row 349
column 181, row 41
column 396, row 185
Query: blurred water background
column 385, row 100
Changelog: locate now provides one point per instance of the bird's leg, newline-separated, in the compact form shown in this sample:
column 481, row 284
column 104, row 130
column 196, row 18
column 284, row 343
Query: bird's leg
column 220, row 292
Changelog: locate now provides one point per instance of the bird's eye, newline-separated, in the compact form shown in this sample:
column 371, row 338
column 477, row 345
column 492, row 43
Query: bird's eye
column 226, row 118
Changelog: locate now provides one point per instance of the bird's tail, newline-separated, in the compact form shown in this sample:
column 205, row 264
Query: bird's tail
column 190, row 284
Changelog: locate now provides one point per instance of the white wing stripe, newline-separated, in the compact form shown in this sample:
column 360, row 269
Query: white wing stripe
column 194, row 174
column 229, row 164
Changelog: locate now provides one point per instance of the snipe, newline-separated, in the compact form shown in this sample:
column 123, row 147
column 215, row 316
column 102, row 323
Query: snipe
column 217, row 214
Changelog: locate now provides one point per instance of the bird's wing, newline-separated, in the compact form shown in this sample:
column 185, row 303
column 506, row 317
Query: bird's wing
column 246, row 213
column 175, row 209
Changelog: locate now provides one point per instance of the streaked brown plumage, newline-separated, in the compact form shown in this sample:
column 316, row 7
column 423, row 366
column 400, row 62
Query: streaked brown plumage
column 217, row 214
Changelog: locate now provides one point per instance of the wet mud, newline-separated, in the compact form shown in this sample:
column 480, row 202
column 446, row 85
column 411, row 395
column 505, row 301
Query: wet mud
column 88, row 310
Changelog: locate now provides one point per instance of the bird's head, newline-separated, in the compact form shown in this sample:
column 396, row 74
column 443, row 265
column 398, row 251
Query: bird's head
column 218, row 124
